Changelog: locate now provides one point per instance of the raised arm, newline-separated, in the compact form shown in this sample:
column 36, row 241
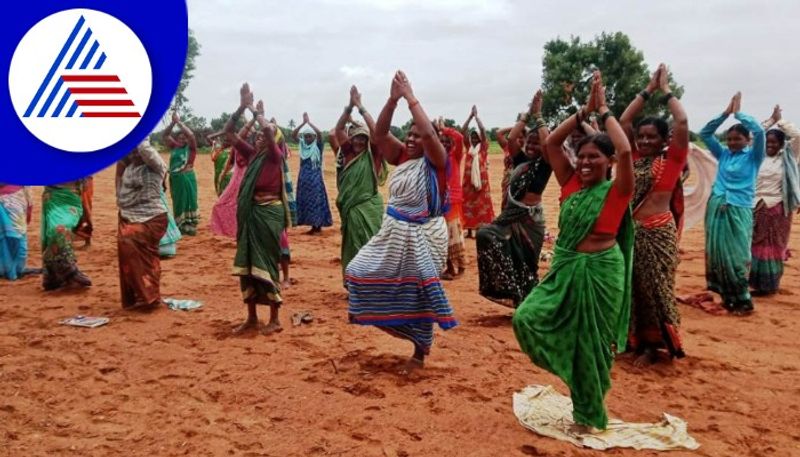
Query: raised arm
column 465, row 127
column 516, row 132
column 296, row 131
column 434, row 150
column 622, row 147
column 680, row 122
column 166, row 137
column 501, row 137
column 242, row 146
column 333, row 141
column 481, row 129
column 391, row 147
column 541, row 126
column 791, row 131
column 707, row 132
column 637, row 105
column 189, row 134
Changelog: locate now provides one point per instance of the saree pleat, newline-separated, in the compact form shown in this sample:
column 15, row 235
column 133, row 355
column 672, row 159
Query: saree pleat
column 771, row 228
column 139, row 260
column 13, row 234
column 61, row 211
column 729, row 232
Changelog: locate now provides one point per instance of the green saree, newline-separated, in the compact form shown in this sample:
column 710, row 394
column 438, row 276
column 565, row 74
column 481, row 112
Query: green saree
column 258, row 237
column 61, row 211
column 359, row 202
column 219, row 166
column 576, row 319
column 183, row 190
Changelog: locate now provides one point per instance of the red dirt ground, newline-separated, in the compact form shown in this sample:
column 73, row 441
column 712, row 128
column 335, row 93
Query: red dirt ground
column 177, row 383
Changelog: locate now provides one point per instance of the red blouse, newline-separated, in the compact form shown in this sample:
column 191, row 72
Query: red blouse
column 269, row 181
column 455, row 154
column 667, row 171
column 614, row 207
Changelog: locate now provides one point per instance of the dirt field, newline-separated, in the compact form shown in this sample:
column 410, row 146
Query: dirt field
column 176, row 383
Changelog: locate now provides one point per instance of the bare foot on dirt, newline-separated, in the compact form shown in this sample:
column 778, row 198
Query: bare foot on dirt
column 271, row 328
column 649, row 357
column 410, row 366
column 247, row 325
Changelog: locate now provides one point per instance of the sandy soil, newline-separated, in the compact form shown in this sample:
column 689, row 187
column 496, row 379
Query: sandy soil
column 176, row 383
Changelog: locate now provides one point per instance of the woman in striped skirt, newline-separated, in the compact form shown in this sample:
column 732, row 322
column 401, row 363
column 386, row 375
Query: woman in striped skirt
column 394, row 282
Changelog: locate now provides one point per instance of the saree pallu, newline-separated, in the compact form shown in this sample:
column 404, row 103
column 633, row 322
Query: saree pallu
column 183, row 189
column 508, row 254
column 219, row 166
column 140, row 261
column 168, row 246
column 576, row 319
column 312, row 199
column 393, row 282
column 258, row 240
column 223, row 215
column 654, row 314
column 288, row 193
column 477, row 205
column 61, row 211
column 455, row 236
column 359, row 203
column 13, row 234
column 771, row 228
column 729, row 233
column 85, row 227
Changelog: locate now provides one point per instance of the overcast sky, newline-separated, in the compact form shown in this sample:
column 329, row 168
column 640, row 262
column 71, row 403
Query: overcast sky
column 303, row 55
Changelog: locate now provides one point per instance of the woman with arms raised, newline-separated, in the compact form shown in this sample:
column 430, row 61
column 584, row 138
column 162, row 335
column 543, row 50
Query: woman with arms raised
column 360, row 170
column 182, row 178
column 729, row 213
column 777, row 197
column 509, row 247
column 262, row 215
column 575, row 321
column 393, row 282
column 659, row 161
column 312, row 199
column 477, row 195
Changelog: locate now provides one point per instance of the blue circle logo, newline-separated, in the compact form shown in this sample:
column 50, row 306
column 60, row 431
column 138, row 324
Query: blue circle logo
column 86, row 84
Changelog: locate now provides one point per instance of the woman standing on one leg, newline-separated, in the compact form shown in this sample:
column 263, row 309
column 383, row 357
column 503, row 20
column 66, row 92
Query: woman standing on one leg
column 142, row 224
column 660, row 160
column 509, row 247
column 262, row 217
column 729, row 214
column 478, row 209
column 394, row 280
column 777, row 197
column 576, row 320
column 312, row 199
column 360, row 170
column 182, row 178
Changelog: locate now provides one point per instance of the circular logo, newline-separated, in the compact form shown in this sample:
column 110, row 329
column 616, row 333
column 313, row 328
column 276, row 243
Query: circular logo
column 80, row 80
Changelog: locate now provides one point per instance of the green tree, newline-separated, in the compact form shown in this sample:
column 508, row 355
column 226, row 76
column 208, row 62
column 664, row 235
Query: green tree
column 568, row 67
column 192, row 51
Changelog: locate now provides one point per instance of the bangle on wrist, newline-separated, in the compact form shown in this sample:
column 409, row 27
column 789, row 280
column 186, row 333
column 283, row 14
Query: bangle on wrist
column 645, row 95
column 605, row 116
column 413, row 103
column 665, row 99
column 348, row 109
column 539, row 123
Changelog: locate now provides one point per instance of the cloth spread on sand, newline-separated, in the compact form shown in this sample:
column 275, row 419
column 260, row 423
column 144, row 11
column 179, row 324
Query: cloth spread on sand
column 183, row 305
column 543, row 410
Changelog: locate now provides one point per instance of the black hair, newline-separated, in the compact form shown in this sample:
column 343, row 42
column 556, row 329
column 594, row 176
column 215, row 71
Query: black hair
column 601, row 140
column 778, row 134
column 740, row 129
column 603, row 143
column 660, row 124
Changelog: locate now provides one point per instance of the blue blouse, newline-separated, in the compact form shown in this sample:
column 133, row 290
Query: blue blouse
column 736, row 171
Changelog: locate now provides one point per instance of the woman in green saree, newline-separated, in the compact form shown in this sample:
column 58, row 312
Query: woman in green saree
column 182, row 179
column 360, row 170
column 61, row 211
column 576, row 319
column 262, row 215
